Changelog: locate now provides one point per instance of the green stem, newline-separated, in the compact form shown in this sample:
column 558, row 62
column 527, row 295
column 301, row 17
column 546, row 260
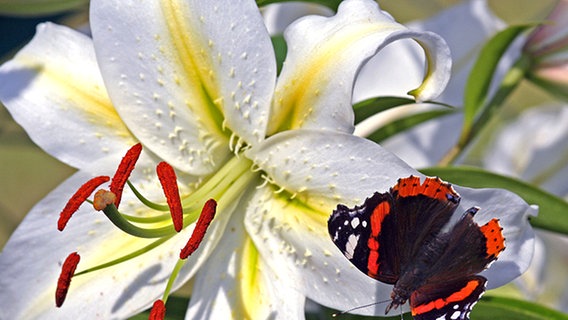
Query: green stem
column 510, row 82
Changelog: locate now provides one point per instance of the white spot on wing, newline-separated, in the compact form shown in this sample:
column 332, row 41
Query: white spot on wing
column 350, row 246
column 355, row 223
column 455, row 315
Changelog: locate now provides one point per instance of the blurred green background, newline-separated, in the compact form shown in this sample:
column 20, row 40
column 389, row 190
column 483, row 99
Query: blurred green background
column 27, row 173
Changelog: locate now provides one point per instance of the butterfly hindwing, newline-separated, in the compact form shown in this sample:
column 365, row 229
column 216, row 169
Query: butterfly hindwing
column 471, row 248
column 452, row 301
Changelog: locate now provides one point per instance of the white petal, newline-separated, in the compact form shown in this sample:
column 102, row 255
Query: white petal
column 31, row 261
column 513, row 214
column 278, row 16
column 322, row 169
column 472, row 23
column 324, row 55
column 294, row 241
column 328, row 166
column 236, row 283
column 53, row 89
column 179, row 72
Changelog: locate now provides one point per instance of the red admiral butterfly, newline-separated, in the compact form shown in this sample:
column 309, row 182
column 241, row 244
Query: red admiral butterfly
column 398, row 237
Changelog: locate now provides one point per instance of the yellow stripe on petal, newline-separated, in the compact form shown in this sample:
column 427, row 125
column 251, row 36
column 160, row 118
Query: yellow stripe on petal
column 192, row 52
column 251, row 291
column 315, row 87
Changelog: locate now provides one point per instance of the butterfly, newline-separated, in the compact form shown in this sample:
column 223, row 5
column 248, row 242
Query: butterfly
column 402, row 237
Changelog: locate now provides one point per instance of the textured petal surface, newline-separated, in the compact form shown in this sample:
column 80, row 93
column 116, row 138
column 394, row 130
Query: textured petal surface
column 236, row 283
column 326, row 168
column 181, row 72
column 293, row 239
column 31, row 260
column 324, row 55
column 54, row 90
column 320, row 169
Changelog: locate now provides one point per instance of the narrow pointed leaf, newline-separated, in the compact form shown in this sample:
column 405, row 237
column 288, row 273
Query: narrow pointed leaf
column 479, row 80
column 553, row 211
column 493, row 307
column 372, row 106
column 405, row 123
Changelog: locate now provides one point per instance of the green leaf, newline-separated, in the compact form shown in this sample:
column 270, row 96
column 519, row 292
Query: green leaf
column 367, row 108
column 370, row 107
column 280, row 50
column 175, row 309
column 30, row 8
column 332, row 4
column 493, row 307
column 553, row 211
column 479, row 79
column 405, row 123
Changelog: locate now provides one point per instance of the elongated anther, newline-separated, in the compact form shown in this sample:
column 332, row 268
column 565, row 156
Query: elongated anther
column 158, row 311
column 78, row 198
column 124, row 170
column 207, row 214
column 168, row 180
column 67, row 272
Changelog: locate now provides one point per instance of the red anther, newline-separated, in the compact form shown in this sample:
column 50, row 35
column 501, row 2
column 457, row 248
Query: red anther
column 67, row 272
column 158, row 311
column 78, row 198
column 168, row 179
column 102, row 199
column 207, row 214
column 124, row 170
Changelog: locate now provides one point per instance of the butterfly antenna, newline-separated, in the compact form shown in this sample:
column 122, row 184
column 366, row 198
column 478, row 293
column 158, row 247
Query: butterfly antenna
column 359, row 307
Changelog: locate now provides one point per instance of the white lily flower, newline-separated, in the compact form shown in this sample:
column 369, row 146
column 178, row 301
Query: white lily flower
column 196, row 84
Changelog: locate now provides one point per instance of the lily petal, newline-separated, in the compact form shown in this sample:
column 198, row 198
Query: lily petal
column 237, row 283
column 180, row 73
column 341, row 45
column 514, row 216
column 320, row 176
column 328, row 167
column 294, row 241
column 63, row 108
column 465, row 27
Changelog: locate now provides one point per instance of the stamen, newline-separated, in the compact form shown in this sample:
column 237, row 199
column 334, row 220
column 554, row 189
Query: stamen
column 67, row 272
column 207, row 214
column 78, row 198
column 158, row 311
column 168, row 180
column 124, row 170
column 102, row 199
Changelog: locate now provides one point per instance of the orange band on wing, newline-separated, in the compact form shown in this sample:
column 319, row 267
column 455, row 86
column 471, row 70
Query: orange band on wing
column 494, row 235
column 376, row 219
column 433, row 188
column 442, row 302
